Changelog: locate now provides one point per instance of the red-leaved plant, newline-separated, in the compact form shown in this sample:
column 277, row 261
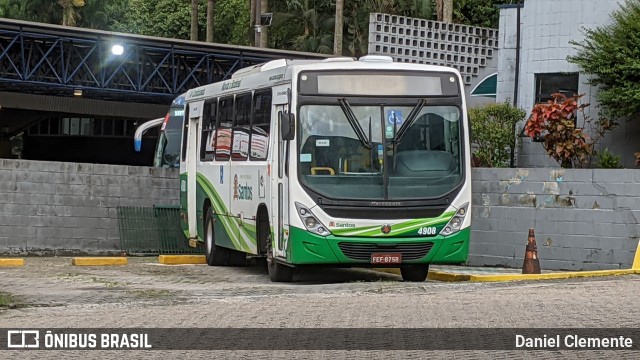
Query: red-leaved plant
column 555, row 123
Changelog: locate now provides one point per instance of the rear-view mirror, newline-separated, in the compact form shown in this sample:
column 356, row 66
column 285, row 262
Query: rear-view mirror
column 287, row 125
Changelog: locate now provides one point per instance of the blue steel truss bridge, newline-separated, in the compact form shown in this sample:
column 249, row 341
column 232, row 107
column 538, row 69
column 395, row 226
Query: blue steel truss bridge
column 51, row 71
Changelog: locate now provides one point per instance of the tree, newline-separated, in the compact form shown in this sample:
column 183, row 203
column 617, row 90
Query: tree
column 194, row 20
column 610, row 54
column 484, row 13
column 264, row 35
column 210, row 6
column 444, row 10
column 337, row 38
column 70, row 14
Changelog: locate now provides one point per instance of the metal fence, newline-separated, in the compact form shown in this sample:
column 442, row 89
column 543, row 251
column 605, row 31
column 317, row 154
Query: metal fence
column 152, row 231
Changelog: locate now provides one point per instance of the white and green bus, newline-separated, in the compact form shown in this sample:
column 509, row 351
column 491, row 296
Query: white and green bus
column 338, row 162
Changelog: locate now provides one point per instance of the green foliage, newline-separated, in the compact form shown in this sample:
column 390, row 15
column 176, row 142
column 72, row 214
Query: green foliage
column 231, row 21
column 608, row 160
column 555, row 122
column 493, row 134
column 483, row 13
column 305, row 25
column 611, row 54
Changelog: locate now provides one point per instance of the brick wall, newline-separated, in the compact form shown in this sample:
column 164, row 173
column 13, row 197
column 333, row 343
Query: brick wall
column 58, row 207
column 471, row 50
column 584, row 219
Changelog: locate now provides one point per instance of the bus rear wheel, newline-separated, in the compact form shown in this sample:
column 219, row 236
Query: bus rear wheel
column 414, row 273
column 215, row 255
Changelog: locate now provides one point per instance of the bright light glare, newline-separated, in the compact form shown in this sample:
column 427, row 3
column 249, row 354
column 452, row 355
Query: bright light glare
column 117, row 50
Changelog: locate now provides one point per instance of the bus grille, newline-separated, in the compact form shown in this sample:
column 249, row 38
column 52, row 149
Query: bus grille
column 363, row 251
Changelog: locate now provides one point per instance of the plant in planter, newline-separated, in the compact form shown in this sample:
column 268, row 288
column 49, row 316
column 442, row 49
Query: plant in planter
column 555, row 123
column 608, row 160
column 637, row 155
column 493, row 133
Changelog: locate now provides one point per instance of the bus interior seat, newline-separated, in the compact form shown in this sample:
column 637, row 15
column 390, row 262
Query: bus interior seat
column 424, row 162
column 320, row 157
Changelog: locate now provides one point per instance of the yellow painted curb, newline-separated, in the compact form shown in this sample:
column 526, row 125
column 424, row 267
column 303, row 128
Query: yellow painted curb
column 11, row 262
column 99, row 261
column 443, row 276
column 450, row 277
column 182, row 259
column 636, row 259
column 551, row 276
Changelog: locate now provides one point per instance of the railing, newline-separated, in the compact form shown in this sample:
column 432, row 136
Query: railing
column 152, row 231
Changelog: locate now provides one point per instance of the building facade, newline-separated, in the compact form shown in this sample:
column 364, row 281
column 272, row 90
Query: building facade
column 546, row 29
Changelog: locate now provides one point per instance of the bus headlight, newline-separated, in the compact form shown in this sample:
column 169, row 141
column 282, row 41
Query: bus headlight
column 310, row 221
column 454, row 225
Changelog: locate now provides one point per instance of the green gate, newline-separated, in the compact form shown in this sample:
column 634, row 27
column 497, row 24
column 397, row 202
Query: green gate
column 152, row 231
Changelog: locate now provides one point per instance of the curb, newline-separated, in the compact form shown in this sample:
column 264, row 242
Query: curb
column 182, row 259
column 636, row 259
column 99, row 261
column 451, row 277
column 11, row 262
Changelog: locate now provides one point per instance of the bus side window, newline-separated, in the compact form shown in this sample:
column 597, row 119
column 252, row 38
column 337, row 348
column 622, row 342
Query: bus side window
column 260, row 126
column 207, row 147
column 185, row 130
column 241, row 127
column 223, row 130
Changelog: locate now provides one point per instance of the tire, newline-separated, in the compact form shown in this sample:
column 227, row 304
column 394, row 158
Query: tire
column 216, row 255
column 237, row 258
column 277, row 272
column 414, row 273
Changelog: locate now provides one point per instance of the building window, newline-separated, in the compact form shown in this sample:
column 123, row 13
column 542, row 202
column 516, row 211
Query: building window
column 548, row 84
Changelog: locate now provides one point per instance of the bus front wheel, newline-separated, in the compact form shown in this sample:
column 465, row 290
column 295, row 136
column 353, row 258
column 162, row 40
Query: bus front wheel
column 216, row 255
column 277, row 272
column 414, row 273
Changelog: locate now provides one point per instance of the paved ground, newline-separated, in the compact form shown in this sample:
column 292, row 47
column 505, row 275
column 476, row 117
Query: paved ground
column 145, row 294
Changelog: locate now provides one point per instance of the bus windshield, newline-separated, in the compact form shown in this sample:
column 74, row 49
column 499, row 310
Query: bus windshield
column 339, row 159
column 167, row 153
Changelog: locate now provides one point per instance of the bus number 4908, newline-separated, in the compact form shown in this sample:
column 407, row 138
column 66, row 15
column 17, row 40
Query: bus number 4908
column 427, row 230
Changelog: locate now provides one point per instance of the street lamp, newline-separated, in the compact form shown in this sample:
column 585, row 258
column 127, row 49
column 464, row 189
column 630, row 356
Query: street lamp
column 117, row 49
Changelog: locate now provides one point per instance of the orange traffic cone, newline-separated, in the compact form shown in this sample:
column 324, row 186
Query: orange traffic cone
column 531, row 263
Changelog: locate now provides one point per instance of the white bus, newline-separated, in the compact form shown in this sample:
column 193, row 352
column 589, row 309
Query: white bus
column 167, row 151
column 339, row 162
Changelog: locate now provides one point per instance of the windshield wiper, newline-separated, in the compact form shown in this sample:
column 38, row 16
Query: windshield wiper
column 355, row 124
column 410, row 119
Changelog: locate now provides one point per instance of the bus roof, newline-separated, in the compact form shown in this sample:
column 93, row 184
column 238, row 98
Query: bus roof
column 278, row 71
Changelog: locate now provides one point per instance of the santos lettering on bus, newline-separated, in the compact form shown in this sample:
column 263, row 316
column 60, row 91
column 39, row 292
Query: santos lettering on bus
column 341, row 184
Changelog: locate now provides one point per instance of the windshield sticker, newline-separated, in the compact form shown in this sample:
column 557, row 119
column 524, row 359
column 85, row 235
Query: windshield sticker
column 322, row 142
column 305, row 157
column 395, row 117
column 389, row 131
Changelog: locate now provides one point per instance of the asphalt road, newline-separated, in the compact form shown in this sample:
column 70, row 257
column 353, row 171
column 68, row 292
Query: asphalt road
column 52, row 293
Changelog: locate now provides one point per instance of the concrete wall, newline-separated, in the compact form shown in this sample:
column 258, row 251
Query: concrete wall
column 584, row 219
column 471, row 50
column 53, row 206
column 545, row 37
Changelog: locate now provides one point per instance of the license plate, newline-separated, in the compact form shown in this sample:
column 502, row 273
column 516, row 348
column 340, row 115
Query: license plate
column 386, row 258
